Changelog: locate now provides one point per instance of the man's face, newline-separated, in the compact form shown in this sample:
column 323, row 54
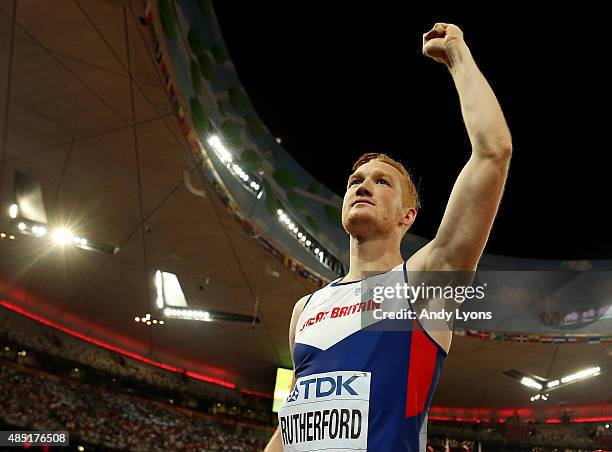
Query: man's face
column 373, row 201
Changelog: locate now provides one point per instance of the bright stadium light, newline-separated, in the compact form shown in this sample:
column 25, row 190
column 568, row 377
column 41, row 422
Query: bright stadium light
column 531, row 383
column 593, row 371
column 80, row 241
column 222, row 152
column 13, row 210
column 552, row 384
column 62, row 236
column 169, row 291
column 188, row 314
column 21, row 226
column 244, row 176
column 159, row 289
column 39, row 230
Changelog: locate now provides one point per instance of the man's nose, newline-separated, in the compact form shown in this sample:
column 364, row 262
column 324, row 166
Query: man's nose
column 363, row 189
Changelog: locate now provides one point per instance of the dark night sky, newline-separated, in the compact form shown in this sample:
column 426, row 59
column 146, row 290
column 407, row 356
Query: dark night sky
column 335, row 83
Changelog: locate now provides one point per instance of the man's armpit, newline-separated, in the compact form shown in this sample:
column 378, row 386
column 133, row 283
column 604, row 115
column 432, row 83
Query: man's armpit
column 435, row 315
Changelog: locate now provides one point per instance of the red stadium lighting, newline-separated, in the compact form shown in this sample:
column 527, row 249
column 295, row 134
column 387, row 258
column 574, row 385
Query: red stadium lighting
column 257, row 394
column 102, row 344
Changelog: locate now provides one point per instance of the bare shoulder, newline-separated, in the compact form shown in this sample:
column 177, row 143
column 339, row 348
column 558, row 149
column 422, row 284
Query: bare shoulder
column 299, row 307
column 295, row 315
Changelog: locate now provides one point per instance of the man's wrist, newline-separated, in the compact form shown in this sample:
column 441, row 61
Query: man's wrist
column 457, row 52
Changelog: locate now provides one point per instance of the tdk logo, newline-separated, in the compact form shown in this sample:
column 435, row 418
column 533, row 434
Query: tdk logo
column 326, row 386
column 294, row 394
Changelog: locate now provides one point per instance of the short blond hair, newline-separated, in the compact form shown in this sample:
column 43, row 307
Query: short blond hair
column 410, row 195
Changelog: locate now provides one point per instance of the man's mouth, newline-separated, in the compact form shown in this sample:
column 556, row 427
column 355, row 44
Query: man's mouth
column 362, row 201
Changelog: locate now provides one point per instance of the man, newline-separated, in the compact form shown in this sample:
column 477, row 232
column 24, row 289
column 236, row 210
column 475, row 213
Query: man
column 360, row 389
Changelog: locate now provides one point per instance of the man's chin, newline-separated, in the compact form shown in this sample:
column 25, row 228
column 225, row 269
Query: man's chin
column 361, row 224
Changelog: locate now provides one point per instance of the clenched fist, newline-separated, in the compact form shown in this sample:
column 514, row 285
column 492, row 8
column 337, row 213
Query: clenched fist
column 439, row 40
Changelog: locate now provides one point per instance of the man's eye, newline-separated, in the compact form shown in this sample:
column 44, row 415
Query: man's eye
column 354, row 181
column 383, row 181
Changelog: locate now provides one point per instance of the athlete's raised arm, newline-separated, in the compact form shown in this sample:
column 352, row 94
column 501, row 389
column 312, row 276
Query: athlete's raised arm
column 474, row 200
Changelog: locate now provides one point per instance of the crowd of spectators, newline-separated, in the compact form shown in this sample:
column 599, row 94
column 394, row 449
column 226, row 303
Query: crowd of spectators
column 34, row 400
column 29, row 333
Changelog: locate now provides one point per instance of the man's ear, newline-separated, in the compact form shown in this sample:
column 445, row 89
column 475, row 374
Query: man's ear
column 409, row 216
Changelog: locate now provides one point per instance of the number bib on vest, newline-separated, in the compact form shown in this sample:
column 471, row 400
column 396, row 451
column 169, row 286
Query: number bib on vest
column 327, row 411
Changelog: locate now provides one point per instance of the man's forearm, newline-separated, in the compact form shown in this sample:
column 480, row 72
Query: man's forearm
column 482, row 114
column 275, row 445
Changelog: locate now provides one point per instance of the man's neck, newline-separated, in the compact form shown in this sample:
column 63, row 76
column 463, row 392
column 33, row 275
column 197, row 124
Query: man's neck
column 374, row 255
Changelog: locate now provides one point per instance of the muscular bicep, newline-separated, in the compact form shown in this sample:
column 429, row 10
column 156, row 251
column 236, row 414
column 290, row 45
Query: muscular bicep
column 469, row 215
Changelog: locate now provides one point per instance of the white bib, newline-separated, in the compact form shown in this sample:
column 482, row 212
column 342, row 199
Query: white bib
column 327, row 411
